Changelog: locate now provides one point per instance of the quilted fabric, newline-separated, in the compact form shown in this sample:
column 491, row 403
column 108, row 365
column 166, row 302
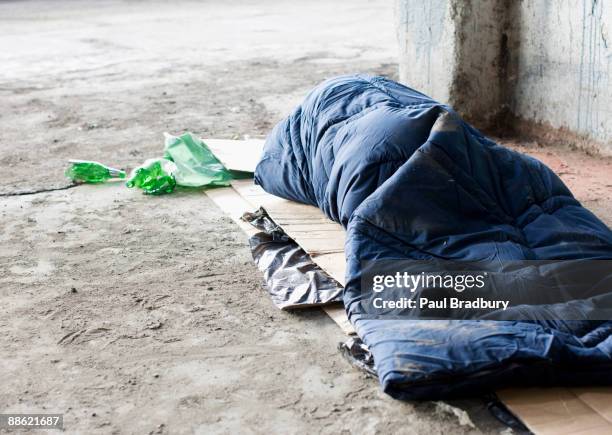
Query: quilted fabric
column 409, row 179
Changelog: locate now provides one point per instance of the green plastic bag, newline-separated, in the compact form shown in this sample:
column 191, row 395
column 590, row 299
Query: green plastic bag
column 154, row 177
column 196, row 165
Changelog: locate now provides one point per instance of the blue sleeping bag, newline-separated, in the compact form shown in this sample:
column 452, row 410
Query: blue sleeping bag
column 410, row 180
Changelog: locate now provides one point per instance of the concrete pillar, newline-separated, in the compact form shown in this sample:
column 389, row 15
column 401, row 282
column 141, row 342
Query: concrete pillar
column 457, row 51
column 545, row 63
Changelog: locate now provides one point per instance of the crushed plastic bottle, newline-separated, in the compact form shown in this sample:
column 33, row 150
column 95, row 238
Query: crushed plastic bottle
column 85, row 171
column 196, row 165
column 188, row 162
column 154, row 177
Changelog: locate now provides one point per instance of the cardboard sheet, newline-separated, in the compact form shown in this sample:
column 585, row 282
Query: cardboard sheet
column 561, row 411
column 305, row 224
column 238, row 155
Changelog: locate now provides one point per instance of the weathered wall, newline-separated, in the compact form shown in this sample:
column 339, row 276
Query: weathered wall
column 427, row 44
column 544, row 61
column 564, row 75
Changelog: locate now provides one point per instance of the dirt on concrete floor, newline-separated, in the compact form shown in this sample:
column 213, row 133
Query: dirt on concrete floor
column 136, row 314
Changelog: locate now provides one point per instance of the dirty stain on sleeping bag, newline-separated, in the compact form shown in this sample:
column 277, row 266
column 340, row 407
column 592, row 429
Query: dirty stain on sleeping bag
column 410, row 180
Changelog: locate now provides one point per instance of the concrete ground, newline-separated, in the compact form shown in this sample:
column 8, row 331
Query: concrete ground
column 136, row 314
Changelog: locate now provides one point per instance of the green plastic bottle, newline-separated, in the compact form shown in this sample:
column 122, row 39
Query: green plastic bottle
column 84, row 171
column 154, row 177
